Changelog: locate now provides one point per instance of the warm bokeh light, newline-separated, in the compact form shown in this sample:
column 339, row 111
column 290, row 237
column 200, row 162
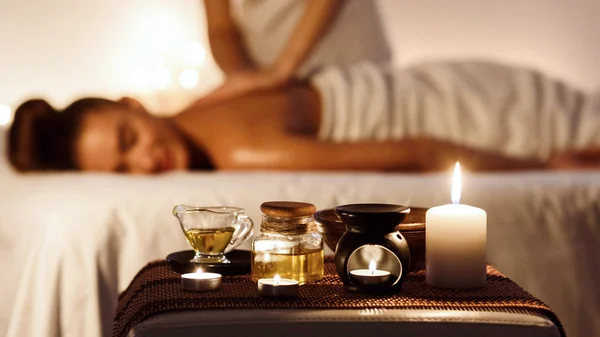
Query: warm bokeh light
column 456, row 185
column 194, row 54
column 160, row 78
column 140, row 78
column 188, row 78
column 161, row 37
column 5, row 114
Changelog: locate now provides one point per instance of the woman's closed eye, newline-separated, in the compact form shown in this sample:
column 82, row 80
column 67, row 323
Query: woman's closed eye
column 127, row 138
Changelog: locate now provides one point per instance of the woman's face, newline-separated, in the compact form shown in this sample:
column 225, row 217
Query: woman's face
column 126, row 138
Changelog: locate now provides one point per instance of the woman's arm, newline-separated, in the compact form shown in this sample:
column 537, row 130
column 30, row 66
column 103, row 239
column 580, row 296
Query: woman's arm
column 224, row 38
column 317, row 17
column 440, row 155
column 305, row 153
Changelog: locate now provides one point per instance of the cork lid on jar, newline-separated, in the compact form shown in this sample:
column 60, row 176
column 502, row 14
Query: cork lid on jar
column 287, row 208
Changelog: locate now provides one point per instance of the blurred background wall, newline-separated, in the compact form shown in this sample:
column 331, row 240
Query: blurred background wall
column 156, row 50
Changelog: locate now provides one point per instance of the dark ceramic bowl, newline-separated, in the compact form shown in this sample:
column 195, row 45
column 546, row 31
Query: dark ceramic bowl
column 412, row 228
column 416, row 216
column 372, row 218
column 330, row 227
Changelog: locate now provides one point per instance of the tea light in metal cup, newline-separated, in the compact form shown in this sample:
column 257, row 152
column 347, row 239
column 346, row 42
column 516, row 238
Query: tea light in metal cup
column 200, row 281
column 370, row 276
column 278, row 287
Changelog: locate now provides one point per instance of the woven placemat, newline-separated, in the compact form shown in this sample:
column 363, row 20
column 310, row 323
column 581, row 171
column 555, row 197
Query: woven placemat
column 156, row 289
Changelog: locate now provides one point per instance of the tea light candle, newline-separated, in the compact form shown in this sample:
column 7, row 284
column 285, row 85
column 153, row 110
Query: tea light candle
column 370, row 276
column 455, row 243
column 278, row 287
column 200, row 281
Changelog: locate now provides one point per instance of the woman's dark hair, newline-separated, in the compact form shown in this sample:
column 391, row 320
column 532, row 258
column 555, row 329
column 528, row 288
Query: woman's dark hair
column 43, row 139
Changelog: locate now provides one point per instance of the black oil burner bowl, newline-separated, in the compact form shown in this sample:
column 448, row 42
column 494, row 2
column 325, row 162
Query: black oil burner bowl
column 372, row 238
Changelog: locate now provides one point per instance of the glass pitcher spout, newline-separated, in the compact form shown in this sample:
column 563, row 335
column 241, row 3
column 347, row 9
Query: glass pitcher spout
column 178, row 211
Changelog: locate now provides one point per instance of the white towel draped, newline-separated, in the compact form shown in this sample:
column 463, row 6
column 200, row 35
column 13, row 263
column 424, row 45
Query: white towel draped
column 489, row 106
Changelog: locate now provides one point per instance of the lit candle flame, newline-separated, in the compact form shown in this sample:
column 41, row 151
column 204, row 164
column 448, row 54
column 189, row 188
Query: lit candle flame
column 372, row 267
column 199, row 271
column 456, row 185
column 277, row 279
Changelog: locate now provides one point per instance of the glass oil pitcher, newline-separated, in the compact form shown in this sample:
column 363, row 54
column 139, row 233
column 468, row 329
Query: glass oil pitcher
column 213, row 231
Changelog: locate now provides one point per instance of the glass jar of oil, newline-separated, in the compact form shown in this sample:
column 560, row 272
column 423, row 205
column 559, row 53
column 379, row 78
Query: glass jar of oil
column 289, row 245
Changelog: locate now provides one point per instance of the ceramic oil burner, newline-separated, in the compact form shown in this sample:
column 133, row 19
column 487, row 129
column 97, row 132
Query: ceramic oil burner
column 372, row 256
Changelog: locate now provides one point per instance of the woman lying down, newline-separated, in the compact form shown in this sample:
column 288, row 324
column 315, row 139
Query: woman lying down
column 364, row 117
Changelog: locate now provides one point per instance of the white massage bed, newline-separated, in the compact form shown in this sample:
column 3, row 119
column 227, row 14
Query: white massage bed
column 72, row 242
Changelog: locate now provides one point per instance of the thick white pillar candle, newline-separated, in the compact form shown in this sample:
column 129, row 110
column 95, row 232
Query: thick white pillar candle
column 456, row 243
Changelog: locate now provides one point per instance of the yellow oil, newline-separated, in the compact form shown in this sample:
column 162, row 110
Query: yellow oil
column 303, row 265
column 210, row 240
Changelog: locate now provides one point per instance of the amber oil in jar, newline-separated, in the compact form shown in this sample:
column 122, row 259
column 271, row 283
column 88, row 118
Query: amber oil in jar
column 289, row 245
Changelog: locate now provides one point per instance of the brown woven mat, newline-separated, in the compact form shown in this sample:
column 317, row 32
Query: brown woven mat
column 156, row 289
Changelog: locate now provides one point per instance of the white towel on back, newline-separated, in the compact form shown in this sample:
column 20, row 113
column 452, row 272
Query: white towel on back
column 484, row 105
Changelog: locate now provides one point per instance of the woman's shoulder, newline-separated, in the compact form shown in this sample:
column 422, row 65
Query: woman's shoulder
column 250, row 122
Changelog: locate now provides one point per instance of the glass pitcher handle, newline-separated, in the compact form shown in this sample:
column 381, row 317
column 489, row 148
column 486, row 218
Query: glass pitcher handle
column 245, row 232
